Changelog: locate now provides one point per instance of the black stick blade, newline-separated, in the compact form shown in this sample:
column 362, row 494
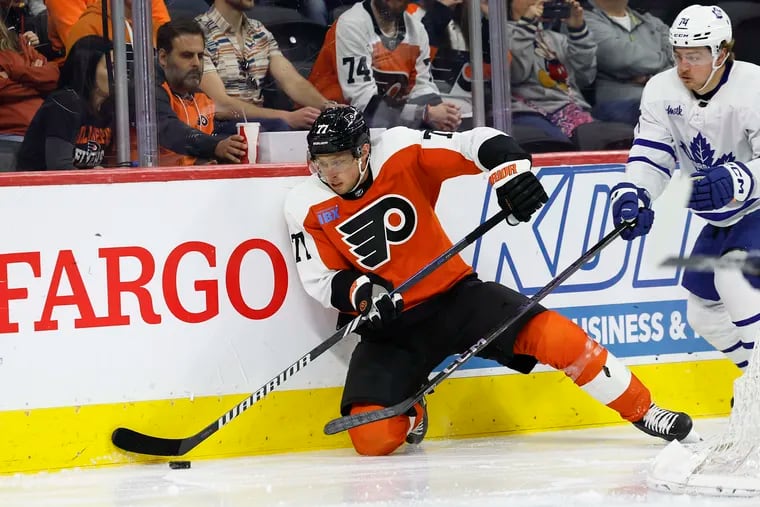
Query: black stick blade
column 133, row 441
column 351, row 421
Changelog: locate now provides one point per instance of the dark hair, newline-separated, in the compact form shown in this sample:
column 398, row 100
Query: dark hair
column 176, row 28
column 79, row 70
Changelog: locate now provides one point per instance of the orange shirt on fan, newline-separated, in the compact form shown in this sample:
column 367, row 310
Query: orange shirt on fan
column 64, row 15
column 196, row 111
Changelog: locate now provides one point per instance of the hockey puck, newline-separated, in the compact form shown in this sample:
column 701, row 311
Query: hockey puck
column 179, row 465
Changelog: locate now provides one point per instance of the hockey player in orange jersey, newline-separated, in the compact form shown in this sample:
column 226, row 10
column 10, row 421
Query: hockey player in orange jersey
column 367, row 222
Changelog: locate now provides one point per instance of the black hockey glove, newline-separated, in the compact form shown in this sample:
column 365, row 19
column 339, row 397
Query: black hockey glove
column 375, row 302
column 518, row 191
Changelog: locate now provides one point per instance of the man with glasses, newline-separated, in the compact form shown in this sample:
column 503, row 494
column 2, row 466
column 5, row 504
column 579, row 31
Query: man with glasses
column 366, row 221
column 704, row 116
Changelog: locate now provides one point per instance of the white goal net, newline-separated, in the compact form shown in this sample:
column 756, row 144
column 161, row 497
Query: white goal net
column 725, row 465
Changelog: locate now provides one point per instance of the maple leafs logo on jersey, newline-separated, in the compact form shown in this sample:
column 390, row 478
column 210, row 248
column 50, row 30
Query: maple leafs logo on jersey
column 371, row 231
column 702, row 154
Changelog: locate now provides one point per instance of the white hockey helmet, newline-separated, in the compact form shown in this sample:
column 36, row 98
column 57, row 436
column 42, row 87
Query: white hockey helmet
column 701, row 25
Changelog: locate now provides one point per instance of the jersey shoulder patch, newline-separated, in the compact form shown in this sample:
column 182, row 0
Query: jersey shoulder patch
column 303, row 196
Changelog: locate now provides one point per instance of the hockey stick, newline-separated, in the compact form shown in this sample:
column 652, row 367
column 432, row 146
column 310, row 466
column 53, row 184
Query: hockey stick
column 749, row 265
column 134, row 441
column 352, row 421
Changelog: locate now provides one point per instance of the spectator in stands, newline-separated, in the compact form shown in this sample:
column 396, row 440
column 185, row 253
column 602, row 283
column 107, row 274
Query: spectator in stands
column 72, row 129
column 547, row 71
column 26, row 78
column 185, row 114
column 26, row 17
column 91, row 20
column 447, row 23
column 239, row 53
column 376, row 57
column 631, row 47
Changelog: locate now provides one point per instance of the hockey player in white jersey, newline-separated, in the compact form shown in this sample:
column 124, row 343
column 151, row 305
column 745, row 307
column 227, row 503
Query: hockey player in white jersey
column 704, row 116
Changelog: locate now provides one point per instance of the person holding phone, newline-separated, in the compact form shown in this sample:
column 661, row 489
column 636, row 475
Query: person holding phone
column 557, row 10
column 73, row 128
column 549, row 69
column 26, row 78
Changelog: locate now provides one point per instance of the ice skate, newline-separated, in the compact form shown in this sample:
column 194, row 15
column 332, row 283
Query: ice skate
column 418, row 431
column 668, row 425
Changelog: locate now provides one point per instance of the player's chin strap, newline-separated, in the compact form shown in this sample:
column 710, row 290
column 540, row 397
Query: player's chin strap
column 362, row 172
column 714, row 70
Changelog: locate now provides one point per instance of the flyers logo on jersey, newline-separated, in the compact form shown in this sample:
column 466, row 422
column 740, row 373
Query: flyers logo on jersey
column 370, row 232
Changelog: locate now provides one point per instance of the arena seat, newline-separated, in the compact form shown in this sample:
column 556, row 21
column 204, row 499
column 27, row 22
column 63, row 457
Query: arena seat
column 300, row 40
column 180, row 9
column 746, row 35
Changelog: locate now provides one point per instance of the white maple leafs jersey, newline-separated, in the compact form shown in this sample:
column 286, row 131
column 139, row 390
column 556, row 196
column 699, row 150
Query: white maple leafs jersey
column 674, row 130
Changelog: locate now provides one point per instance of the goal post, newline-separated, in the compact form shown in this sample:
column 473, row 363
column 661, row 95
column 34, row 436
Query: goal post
column 725, row 465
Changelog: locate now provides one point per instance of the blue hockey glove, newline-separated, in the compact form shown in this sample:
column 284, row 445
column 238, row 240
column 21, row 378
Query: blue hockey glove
column 631, row 204
column 718, row 186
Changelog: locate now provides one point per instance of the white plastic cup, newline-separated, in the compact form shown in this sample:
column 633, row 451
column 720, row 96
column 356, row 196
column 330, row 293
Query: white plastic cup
column 250, row 132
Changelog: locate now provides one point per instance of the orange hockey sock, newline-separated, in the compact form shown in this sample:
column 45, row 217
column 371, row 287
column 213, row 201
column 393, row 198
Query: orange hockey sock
column 560, row 343
column 380, row 437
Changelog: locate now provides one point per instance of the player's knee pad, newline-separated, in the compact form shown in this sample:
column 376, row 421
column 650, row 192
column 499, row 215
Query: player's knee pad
column 559, row 342
column 711, row 320
column 381, row 437
column 740, row 298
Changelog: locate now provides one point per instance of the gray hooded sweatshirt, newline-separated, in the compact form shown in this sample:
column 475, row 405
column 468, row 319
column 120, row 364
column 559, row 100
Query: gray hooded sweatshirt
column 624, row 55
column 548, row 68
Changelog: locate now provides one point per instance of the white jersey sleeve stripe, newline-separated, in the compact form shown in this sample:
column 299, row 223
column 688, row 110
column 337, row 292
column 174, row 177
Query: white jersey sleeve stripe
column 655, row 145
column 646, row 160
column 719, row 216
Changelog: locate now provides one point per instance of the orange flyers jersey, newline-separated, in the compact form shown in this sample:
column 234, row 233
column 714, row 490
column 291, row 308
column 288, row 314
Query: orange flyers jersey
column 197, row 111
column 358, row 62
column 391, row 230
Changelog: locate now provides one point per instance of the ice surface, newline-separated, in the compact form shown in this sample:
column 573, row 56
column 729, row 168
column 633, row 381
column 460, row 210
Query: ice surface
column 581, row 468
